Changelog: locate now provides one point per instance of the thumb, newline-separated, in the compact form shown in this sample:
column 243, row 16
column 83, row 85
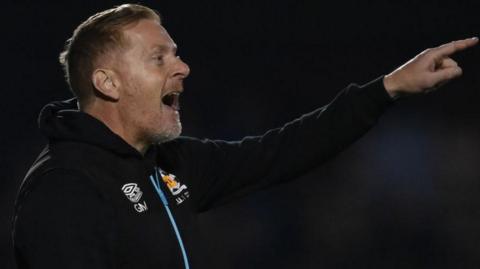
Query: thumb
column 445, row 74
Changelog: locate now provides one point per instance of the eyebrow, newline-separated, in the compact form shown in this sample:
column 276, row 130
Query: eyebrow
column 164, row 48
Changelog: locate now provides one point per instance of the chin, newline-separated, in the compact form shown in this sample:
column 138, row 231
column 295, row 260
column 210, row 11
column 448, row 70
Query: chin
column 168, row 135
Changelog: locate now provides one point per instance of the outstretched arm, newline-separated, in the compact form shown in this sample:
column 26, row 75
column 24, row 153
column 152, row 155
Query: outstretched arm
column 221, row 170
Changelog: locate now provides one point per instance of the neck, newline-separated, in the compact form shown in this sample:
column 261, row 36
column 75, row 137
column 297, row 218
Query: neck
column 110, row 115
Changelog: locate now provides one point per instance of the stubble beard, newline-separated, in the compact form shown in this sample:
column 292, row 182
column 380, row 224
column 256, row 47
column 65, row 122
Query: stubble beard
column 168, row 135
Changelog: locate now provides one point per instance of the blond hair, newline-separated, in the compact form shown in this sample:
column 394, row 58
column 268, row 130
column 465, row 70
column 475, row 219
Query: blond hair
column 98, row 36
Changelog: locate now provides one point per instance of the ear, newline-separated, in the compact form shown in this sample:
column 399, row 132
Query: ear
column 105, row 83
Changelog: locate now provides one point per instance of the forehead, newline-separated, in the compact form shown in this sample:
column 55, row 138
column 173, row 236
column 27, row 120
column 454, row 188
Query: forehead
column 149, row 35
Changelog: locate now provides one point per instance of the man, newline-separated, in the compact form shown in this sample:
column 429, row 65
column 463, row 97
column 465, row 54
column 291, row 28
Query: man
column 116, row 187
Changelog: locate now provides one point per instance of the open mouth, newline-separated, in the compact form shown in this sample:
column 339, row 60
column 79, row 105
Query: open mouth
column 172, row 100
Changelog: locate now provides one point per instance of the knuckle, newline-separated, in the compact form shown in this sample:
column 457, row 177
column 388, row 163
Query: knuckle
column 428, row 50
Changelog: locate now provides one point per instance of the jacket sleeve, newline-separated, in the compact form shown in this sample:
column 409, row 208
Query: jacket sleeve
column 220, row 171
column 62, row 221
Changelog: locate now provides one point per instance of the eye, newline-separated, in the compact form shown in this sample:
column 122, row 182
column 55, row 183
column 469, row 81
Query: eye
column 158, row 59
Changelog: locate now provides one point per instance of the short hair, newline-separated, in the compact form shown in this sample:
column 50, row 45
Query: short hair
column 94, row 38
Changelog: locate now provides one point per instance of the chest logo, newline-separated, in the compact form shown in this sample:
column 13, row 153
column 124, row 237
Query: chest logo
column 134, row 194
column 173, row 185
column 176, row 188
column 132, row 191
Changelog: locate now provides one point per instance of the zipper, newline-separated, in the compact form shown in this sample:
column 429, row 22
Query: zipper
column 156, row 183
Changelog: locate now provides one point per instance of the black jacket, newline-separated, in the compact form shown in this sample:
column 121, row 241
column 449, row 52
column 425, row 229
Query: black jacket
column 88, row 201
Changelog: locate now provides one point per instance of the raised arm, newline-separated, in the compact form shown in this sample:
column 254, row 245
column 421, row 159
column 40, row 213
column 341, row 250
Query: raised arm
column 223, row 170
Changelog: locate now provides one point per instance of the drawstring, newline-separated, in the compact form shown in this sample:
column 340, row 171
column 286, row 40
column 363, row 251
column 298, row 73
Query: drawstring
column 156, row 183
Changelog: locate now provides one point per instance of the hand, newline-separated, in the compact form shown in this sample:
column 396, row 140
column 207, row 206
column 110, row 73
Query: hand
column 428, row 70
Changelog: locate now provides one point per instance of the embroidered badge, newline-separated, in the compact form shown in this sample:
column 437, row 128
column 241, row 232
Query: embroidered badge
column 132, row 191
column 134, row 194
column 176, row 188
column 173, row 185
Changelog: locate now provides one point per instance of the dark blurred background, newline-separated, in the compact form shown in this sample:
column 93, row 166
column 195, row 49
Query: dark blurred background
column 406, row 195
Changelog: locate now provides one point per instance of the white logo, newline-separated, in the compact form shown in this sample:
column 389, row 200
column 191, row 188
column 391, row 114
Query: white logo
column 140, row 207
column 178, row 189
column 134, row 194
column 132, row 191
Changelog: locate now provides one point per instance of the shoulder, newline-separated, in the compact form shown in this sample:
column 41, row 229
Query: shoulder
column 57, row 186
column 186, row 143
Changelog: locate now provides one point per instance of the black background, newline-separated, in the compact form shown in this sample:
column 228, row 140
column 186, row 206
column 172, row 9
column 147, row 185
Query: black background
column 406, row 195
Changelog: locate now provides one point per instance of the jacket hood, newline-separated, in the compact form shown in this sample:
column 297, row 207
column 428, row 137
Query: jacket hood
column 62, row 121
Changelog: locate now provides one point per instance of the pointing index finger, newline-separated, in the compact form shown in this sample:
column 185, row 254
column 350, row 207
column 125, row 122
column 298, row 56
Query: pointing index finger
column 454, row 46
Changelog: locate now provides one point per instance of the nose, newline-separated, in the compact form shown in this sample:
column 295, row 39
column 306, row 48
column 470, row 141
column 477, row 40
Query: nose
column 183, row 70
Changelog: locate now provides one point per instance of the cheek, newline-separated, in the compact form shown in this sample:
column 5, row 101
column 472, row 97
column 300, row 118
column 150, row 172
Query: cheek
column 150, row 107
column 143, row 90
column 143, row 102
column 131, row 86
column 153, row 85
